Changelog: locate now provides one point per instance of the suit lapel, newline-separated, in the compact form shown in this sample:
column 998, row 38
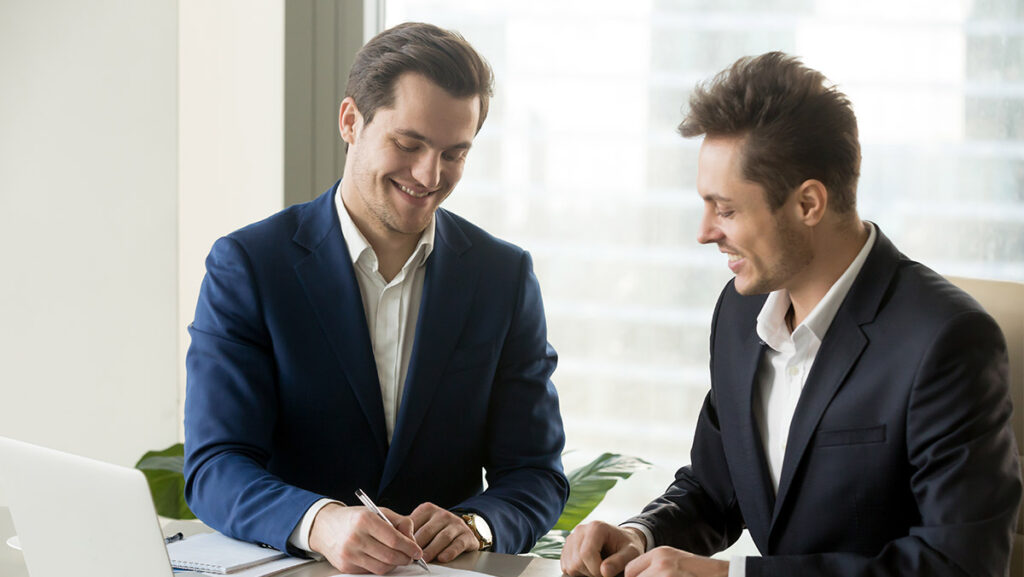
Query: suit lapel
column 840, row 350
column 752, row 480
column 842, row 346
column 755, row 478
column 448, row 287
column 329, row 280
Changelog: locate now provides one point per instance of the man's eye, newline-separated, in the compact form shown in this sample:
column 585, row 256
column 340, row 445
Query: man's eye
column 454, row 156
column 404, row 148
column 725, row 213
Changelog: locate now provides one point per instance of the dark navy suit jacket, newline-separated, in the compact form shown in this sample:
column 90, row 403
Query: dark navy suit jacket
column 283, row 403
column 900, row 458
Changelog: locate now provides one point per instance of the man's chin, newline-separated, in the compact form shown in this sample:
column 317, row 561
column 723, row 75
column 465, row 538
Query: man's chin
column 751, row 287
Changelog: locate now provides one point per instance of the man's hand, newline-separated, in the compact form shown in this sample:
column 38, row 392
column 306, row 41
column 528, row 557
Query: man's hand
column 442, row 534
column 355, row 540
column 670, row 562
column 598, row 549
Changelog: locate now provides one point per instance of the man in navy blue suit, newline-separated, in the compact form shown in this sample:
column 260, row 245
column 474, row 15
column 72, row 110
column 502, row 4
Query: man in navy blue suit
column 371, row 340
column 858, row 421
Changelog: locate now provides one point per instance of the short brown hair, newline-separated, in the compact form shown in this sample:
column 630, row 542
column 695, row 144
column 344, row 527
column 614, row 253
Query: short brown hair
column 443, row 56
column 795, row 126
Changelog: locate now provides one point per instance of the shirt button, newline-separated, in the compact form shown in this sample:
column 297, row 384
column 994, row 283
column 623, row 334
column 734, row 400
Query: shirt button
column 794, row 371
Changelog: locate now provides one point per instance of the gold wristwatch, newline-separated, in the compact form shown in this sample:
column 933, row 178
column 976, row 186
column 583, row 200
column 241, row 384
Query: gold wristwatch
column 480, row 529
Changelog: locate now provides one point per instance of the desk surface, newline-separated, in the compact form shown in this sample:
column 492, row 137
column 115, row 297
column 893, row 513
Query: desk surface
column 13, row 565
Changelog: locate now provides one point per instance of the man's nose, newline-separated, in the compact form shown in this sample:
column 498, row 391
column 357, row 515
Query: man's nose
column 427, row 170
column 708, row 231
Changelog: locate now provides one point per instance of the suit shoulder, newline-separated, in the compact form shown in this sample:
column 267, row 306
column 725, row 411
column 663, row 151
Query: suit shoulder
column 479, row 238
column 917, row 287
column 281, row 223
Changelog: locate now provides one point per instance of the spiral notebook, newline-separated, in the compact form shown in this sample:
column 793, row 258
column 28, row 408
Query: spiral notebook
column 217, row 553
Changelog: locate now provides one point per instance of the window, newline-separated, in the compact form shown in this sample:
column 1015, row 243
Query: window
column 580, row 164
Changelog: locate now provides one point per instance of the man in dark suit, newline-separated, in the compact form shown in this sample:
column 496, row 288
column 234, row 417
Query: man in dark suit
column 371, row 340
column 858, row 421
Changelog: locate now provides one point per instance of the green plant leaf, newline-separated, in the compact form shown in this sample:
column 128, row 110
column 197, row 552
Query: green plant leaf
column 550, row 546
column 164, row 474
column 589, row 484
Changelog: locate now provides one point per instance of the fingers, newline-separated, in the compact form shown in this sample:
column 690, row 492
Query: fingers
column 582, row 555
column 442, row 534
column 671, row 562
column 420, row 515
column 616, row 563
column 357, row 562
column 452, row 540
column 393, row 537
column 638, row 565
column 404, row 525
column 631, row 546
column 355, row 540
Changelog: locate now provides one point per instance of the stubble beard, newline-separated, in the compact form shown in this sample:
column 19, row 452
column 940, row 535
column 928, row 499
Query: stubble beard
column 794, row 256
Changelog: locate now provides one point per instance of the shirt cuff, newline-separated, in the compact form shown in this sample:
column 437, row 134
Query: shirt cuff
column 738, row 567
column 648, row 536
column 300, row 535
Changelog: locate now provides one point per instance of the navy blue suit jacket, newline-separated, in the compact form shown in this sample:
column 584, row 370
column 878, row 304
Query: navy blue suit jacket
column 900, row 458
column 283, row 403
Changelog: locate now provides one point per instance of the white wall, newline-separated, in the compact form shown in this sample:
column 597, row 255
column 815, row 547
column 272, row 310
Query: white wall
column 132, row 135
column 231, row 130
column 88, row 225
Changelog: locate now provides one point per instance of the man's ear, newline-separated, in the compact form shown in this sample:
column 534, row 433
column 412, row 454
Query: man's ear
column 812, row 200
column 350, row 120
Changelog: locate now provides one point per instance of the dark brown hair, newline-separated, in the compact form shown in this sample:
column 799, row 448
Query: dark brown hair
column 442, row 56
column 794, row 124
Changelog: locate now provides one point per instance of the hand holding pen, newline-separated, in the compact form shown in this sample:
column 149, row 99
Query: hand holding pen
column 369, row 504
column 354, row 540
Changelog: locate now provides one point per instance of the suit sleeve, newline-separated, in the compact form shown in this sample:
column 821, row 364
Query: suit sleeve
column 698, row 512
column 526, row 488
column 230, row 410
column 963, row 467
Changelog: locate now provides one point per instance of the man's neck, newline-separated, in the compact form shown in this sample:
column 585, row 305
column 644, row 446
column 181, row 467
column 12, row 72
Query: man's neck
column 392, row 248
column 835, row 249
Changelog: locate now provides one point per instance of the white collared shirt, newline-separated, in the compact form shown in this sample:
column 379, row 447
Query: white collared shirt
column 392, row 310
column 783, row 371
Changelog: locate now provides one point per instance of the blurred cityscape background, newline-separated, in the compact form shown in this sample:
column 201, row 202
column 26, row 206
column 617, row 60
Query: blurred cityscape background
column 579, row 163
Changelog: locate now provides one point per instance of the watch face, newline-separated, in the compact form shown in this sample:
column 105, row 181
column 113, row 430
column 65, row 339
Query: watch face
column 482, row 528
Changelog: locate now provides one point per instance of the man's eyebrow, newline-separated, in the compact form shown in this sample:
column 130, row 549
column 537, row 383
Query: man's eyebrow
column 417, row 136
column 712, row 197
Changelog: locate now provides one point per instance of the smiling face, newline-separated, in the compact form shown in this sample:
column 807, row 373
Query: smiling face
column 403, row 164
column 768, row 250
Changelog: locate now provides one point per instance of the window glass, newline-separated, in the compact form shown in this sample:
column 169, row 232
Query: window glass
column 580, row 164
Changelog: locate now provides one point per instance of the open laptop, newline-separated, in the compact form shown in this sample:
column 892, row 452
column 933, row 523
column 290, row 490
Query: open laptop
column 76, row 516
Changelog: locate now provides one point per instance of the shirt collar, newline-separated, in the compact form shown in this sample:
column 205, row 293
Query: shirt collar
column 359, row 247
column 771, row 321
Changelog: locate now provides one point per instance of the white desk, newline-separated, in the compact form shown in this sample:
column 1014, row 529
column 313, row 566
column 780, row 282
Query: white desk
column 13, row 565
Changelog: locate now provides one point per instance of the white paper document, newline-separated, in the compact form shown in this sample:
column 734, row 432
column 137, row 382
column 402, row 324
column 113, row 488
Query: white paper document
column 414, row 571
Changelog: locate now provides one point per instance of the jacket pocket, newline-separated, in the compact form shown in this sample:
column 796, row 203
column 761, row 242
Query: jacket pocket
column 835, row 437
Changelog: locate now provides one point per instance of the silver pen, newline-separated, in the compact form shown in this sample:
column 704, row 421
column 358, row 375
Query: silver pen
column 365, row 500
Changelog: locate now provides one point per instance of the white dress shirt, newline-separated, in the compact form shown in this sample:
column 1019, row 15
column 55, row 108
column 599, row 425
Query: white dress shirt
column 783, row 371
column 392, row 310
